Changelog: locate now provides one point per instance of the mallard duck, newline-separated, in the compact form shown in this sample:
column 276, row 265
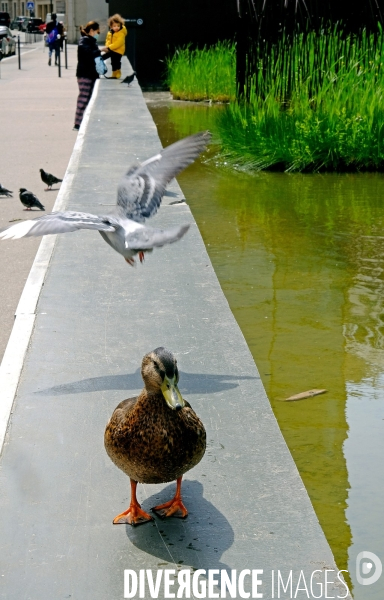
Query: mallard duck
column 155, row 437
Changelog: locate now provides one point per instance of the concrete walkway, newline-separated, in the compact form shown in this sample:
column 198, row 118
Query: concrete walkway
column 95, row 319
column 36, row 120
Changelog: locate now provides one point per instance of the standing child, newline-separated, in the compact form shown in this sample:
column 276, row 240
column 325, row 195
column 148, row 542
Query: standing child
column 115, row 44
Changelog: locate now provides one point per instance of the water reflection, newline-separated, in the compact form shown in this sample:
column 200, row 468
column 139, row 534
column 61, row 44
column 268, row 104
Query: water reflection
column 300, row 260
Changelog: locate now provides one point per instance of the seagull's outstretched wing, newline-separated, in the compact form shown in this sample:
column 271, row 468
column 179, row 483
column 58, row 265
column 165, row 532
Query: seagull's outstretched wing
column 141, row 189
column 59, row 222
column 149, row 237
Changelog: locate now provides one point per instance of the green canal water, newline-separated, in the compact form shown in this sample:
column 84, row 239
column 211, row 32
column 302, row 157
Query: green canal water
column 300, row 259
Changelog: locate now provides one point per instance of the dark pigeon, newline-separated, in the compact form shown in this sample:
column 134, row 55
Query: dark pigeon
column 29, row 200
column 49, row 179
column 129, row 78
column 5, row 192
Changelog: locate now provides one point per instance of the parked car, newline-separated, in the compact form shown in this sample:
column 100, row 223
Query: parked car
column 14, row 24
column 7, row 42
column 34, row 24
column 23, row 23
column 5, row 19
column 42, row 27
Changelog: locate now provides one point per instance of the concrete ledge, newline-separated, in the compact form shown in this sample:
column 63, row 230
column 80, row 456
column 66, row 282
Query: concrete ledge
column 95, row 319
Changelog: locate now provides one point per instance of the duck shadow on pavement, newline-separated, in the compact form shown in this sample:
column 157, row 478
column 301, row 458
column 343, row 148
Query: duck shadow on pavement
column 189, row 383
column 197, row 542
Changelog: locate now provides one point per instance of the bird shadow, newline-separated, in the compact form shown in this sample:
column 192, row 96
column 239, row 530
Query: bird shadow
column 189, row 383
column 199, row 541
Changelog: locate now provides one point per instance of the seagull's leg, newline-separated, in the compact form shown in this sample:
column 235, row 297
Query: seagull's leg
column 141, row 256
column 174, row 507
column 134, row 515
column 130, row 261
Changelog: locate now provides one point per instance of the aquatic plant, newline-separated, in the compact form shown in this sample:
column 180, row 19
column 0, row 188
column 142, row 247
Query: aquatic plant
column 314, row 103
column 203, row 74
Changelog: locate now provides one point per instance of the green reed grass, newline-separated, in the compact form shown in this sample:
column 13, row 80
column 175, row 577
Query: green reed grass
column 207, row 74
column 316, row 102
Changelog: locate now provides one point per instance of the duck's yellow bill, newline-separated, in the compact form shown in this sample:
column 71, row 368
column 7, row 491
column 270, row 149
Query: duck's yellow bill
column 172, row 394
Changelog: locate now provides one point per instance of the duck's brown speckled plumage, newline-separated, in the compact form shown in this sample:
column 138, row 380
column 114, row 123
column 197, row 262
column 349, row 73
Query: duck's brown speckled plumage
column 148, row 440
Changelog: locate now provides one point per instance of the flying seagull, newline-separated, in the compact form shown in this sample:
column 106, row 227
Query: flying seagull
column 5, row 192
column 139, row 196
column 49, row 179
column 29, row 200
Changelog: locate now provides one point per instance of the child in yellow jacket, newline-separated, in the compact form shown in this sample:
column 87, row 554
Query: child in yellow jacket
column 115, row 44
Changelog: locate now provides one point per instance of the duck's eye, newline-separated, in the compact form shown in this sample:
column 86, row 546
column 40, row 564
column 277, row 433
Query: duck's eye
column 159, row 369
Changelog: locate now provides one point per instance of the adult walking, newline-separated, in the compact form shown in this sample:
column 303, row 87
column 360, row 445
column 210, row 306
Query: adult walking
column 86, row 72
column 54, row 33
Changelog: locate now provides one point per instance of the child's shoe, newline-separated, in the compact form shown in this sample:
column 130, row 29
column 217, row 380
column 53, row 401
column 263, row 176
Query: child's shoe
column 117, row 74
column 114, row 75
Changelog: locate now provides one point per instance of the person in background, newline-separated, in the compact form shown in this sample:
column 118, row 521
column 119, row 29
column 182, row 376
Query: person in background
column 53, row 34
column 115, row 44
column 86, row 72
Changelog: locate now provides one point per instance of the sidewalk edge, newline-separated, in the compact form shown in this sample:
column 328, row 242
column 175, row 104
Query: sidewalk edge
column 25, row 315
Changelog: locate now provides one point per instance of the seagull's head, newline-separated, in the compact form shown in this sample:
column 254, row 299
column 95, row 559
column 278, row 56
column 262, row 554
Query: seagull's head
column 159, row 371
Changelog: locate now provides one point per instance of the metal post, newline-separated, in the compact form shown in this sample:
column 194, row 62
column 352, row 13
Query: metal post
column 59, row 59
column 65, row 50
column 133, row 34
column 18, row 50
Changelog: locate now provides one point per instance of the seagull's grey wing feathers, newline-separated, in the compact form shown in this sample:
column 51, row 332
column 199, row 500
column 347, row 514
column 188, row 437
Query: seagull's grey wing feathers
column 149, row 237
column 141, row 189
column 59, row 222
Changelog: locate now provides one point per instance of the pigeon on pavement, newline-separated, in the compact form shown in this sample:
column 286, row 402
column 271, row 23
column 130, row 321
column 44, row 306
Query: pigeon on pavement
column 29, row 200
column 49, row 179
column 5, row 192
column 139, row 196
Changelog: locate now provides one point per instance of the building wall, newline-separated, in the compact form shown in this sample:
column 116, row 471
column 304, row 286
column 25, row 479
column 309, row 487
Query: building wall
column 171, row 23
column 79, row 12
column 15, row 8
column 43, row 7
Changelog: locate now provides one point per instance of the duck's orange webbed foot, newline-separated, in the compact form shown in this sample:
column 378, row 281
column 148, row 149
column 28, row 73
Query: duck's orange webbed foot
column 174, row 507
column 133, row 516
